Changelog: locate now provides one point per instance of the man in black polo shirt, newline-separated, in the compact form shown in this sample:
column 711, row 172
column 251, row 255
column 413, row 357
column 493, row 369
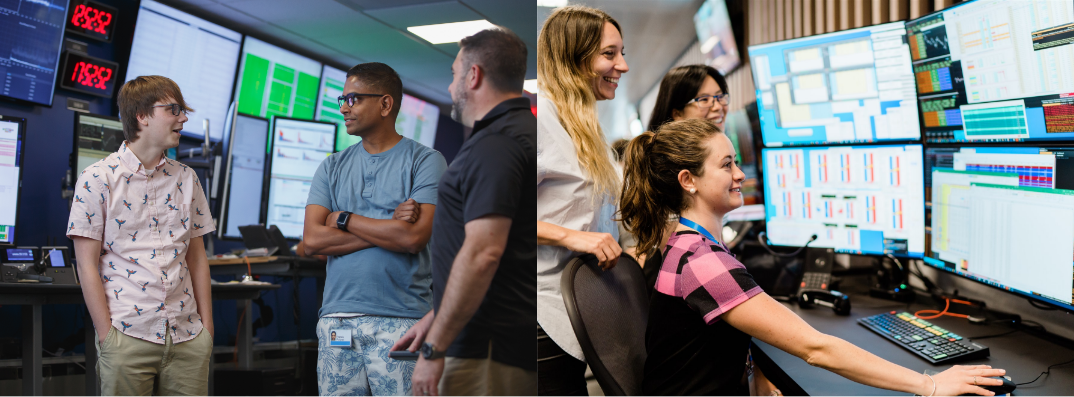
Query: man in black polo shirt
column 484, row 287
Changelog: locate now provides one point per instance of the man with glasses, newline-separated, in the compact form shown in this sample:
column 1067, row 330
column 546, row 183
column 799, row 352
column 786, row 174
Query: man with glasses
column 370, row 209
column 151, row 303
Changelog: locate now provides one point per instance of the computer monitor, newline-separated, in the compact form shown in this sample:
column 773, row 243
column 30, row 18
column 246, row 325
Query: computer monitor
column 417, row 120
column 999, row 71
column 856, row 199
column 276, row 82
column 296, row 149
column 715, row 36
column 30, row 49
column 1004, row 216
column 12, row 139
column 96, row 137
column 737, row 128
column 244, row 178
column 854, row 86
column 332, row 81
column 200, row 56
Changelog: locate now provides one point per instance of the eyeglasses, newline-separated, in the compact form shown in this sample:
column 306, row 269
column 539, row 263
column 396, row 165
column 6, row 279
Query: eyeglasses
column 706, row 101
column 351, row 98
column 176, row 108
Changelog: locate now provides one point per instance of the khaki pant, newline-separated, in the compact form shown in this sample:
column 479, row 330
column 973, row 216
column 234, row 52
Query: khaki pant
column 128, row 366
column 485, row 377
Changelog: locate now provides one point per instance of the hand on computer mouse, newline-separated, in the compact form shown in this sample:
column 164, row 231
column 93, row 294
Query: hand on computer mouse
column 966, row 379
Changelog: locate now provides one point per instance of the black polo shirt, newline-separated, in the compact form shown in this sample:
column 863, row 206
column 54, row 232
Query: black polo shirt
column 494, row 173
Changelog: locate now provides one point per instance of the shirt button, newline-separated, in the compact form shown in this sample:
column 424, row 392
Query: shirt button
column 370, row 184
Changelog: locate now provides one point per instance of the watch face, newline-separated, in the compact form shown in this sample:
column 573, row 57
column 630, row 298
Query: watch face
column 426, row 350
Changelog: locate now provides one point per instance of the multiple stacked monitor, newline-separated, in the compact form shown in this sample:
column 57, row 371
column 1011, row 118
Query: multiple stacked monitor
column 987, row 84
column 285, row 123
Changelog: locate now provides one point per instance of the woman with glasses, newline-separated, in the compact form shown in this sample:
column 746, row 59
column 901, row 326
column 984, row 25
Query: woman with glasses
column 579, row 62
column 691, row 92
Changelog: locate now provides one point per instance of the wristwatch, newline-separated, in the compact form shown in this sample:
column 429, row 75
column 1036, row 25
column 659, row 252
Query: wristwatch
column 341, row 222
column 430, row 352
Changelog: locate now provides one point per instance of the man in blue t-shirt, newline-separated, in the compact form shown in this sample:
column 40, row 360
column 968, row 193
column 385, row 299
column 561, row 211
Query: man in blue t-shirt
column 370, row 209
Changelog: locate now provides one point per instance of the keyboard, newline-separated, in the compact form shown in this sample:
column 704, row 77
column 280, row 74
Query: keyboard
column 930, row 342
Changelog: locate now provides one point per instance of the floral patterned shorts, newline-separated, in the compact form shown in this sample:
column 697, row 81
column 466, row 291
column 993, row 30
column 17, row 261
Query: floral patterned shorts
column 363, row 369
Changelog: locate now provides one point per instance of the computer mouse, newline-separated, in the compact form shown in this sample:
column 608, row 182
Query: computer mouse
column 1005, row 389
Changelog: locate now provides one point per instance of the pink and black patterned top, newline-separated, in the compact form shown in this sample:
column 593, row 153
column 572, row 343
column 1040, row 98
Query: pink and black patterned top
column 691, row 352
column 704, row 274
column 145, row 219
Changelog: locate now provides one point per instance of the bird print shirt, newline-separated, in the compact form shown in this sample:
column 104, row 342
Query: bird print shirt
column 144, row 218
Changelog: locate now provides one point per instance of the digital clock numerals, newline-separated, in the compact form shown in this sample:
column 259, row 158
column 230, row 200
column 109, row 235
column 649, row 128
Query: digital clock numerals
column 87, row 17
column 91, row 75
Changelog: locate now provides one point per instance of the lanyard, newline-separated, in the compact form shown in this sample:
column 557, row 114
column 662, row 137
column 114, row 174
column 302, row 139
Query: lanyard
column 693, row 225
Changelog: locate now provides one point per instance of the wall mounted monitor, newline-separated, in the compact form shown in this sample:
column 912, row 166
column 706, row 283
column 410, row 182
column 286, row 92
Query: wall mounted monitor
column 296, row 149
column 1004, row 216
column 244, row 180
column 854, row 86
column 276, row 82
column 332, row 81
column 856, row 199
column 715, row 36
column 32, row 34
column 96, row 137
column 999, row 71
column 201, row 57
column 12, row 139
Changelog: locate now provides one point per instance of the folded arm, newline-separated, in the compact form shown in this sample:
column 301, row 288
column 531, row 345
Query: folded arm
column 322, row 238
column 393, row 234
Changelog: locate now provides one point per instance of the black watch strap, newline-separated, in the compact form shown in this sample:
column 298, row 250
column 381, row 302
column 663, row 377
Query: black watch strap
column 430, row 353
column 341, row 221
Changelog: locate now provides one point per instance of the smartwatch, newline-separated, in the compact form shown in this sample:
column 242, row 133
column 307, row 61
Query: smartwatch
column 341, row 221
column 430, row 352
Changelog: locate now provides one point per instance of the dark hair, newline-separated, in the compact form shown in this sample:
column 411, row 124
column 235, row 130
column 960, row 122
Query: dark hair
column 651, row 189
column 618, row 147
column 678, row 87
column 501, row 55
column 137, row 97
column 382, row 79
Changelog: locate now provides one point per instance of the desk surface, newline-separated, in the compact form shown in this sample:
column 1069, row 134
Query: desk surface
column 1023, row 355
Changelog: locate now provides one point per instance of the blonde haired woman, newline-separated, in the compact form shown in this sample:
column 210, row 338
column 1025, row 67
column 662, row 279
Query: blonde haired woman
column 579, row 61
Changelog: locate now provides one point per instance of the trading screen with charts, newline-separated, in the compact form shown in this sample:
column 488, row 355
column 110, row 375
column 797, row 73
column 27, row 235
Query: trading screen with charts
column 995, row 71
column 856, row 199
column 989, row 203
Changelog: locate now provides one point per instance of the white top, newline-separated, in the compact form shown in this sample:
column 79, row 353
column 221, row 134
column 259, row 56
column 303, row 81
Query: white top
column 564, row 198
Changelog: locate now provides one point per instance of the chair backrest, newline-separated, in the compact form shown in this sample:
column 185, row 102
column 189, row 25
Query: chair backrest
column 609, row 311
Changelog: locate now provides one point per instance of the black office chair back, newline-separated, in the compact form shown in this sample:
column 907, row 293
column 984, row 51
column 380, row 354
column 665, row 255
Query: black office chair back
column 609, row 311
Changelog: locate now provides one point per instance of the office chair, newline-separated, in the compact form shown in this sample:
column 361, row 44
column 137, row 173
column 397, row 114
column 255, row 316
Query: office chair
column 609, row 311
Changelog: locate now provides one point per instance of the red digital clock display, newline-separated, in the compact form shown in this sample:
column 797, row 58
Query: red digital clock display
column 91, row 19
column 87, row 74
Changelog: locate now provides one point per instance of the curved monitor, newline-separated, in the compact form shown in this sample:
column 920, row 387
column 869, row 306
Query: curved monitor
column 995, row 71
column 854, row 86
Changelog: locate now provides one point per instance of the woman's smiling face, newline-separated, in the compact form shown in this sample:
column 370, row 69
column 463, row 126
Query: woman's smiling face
column 608, row 64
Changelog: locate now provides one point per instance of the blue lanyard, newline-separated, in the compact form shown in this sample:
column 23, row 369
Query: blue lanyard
column 693, row 225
